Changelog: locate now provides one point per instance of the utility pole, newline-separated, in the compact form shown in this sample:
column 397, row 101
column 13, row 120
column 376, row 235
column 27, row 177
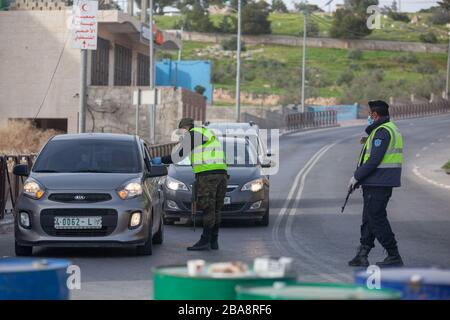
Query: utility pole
column 304, row 59
column 152, row 107
column 238, row 65
column 447, row 86
column 83, row 76
column 181, row 44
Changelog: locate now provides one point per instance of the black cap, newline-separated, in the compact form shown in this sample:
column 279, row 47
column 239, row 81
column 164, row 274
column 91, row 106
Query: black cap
column 378, row 104
column 186, row 122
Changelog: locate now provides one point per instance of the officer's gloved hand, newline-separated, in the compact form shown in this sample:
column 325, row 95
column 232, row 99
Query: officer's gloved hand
column 156, row 161
column 352, row 184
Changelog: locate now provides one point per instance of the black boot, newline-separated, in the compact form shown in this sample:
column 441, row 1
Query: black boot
column 215, row 237
column 392, row 260
column 204, row 243
column 361, row 258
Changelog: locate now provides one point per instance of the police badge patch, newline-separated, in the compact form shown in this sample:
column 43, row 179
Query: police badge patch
column 377, row 142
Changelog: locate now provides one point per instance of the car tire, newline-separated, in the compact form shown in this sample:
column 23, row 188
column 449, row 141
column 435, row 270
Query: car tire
column 23, row 251
column 265, row 219
column 158, row 238
column 147, row 248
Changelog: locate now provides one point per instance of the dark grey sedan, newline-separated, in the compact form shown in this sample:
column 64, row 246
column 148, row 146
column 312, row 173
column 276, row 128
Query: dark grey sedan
column 247, row 196
column 90, row 190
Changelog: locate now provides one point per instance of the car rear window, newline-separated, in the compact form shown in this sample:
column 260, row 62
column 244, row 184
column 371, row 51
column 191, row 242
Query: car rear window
column 90, row 155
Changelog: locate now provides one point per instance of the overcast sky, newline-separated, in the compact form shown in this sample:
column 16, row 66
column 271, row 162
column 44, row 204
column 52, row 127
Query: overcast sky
column 406, row 5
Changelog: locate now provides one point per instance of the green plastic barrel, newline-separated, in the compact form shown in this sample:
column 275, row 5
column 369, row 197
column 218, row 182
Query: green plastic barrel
column 174, row 283
column 314, row 291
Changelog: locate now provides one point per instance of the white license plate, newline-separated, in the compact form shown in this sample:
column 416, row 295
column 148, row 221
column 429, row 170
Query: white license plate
column 227, row 200
column 78, row 222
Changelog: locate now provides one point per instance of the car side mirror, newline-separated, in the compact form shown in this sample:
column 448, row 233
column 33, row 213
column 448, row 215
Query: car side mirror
column 21, row 170
column 157, row 171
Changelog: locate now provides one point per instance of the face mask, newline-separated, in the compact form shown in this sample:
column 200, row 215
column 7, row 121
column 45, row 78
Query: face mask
column 370, row 121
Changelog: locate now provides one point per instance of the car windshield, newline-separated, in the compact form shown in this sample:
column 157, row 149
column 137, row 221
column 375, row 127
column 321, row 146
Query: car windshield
column 239, row 152
column 89, row 155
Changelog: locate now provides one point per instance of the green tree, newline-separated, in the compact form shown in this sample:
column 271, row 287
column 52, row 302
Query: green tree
column 228, row 24
column 234, row 3
column 255, row 18
column 198, row 20
column 279, row 6
column 444, row 4
column 351, row 21
column 300, row 7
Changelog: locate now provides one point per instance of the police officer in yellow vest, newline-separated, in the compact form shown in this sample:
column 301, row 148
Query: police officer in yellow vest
column 379, row 170
column 211, row 178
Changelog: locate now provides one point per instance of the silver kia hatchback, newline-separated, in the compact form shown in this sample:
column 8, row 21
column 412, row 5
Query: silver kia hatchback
column 90, row 190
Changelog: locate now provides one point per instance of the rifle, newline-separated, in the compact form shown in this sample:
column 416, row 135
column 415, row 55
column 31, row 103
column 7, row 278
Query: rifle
column 194, row 202
column 349, row 192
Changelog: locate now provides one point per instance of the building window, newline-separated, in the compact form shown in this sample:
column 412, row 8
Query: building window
column 122, row 66
column 100, row 63
column 143, row 70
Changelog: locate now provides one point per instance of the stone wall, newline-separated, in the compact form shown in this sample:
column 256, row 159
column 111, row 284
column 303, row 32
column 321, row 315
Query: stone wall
column 110, row 109
column 321, row 42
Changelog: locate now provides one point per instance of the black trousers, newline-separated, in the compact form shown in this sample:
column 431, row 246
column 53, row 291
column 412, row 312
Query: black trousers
column 375, row 224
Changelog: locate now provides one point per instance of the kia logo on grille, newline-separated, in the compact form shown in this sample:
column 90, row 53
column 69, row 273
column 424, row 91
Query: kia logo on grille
column 79, row 197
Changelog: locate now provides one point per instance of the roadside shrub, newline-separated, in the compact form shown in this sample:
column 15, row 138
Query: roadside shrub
column 345, row 77
column 439, row 16
column 398, row 16
column 200, row 89
column 354, row 67
column 230, row 44
column 377, row 74
column 355, row 54
column 22, row 137
column 407, row 58
column 428, row 37
column 426, row 67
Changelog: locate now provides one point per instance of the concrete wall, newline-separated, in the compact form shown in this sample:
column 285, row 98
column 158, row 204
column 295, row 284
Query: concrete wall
column 322, row 42
column 31, row 43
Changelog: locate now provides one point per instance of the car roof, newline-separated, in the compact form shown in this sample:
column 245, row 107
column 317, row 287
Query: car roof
column 95, row 136
column 232, row 125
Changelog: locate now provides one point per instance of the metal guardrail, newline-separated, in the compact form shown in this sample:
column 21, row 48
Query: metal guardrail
column 404, row 111
column 10, row 184
column 311, row 120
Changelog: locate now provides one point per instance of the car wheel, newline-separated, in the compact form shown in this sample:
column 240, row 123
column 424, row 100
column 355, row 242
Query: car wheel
column 23, row 251
column 265, row 219
column 158, row 238
column 147, row 248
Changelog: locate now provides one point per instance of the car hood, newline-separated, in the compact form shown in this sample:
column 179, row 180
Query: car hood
column 238, row 175
column 83, row 181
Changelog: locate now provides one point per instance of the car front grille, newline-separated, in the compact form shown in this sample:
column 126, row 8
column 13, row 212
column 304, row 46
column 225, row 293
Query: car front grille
column 225, row 208
column 109, row 222
column 79, row 197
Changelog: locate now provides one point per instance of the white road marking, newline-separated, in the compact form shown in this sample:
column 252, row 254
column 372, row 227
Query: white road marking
column 424, row 148
column 418, row 155
column 416, row 171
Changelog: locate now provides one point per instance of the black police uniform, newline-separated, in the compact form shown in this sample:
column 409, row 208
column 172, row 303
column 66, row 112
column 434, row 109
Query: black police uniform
column 377, row 187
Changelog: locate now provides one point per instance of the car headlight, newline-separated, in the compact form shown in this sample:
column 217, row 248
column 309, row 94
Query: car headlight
column 254, row 185
column 174, row 184
column 131, row 189
column 33, row 190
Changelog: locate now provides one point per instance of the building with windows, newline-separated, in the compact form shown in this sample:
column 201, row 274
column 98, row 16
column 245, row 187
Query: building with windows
column 40, row 71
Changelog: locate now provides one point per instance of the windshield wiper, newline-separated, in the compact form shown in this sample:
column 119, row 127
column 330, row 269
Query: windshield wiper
column 90, row 171
column 46, row 171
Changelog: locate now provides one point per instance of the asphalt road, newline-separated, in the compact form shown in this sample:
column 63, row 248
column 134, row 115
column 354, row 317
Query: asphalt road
column 305, row 222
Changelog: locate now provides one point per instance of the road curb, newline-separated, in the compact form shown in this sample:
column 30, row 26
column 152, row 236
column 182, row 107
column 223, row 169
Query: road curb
column 7, row 225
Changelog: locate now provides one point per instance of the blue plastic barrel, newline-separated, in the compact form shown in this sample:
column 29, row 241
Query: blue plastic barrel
column 33, row 279
column 414, row 284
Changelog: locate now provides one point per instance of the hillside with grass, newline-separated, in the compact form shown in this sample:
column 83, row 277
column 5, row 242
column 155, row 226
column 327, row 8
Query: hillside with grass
column 348, row 75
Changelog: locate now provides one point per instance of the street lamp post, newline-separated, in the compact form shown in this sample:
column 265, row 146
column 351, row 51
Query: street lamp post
column 303, row 62
column 238, row 65
column 152, row 111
